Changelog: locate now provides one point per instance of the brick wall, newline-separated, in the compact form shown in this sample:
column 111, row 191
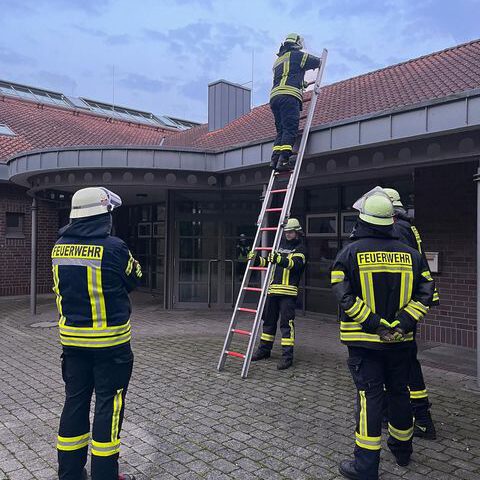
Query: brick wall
column 445, row 211
column 15, row 252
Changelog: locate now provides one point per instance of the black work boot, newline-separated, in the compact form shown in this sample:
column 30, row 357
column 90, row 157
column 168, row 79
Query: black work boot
column 424, row 427
column 260, row 354
column 348, row 470
column 274, row 161
column 125, row 476
column 403, row 459
column 284, row 363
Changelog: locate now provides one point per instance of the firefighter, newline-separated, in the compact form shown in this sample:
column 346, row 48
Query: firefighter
column 383, row 288
column 286, row 97
column 408, row 234
column 93, row 273
column 288, row 264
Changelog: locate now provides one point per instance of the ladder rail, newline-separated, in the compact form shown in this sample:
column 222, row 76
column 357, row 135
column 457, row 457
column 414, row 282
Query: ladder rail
column 284, row 215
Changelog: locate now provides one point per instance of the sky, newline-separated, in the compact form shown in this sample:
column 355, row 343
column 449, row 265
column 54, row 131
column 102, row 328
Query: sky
column 160, row 55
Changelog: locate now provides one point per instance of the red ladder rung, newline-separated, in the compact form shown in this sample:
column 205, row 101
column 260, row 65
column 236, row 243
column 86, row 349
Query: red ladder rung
column 287, row 172
column 253, row 289
column 241, row 332
column 281, row 190
column 274, row 209
column 249, row 310
column 264, row 248
column 268, row 229
column 258, row 268
column 235, row 354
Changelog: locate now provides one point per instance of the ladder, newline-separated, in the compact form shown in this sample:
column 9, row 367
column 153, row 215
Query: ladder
column 280, row 184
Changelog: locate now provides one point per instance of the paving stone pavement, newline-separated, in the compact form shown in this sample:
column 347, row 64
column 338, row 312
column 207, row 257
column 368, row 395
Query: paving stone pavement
column 184, row 420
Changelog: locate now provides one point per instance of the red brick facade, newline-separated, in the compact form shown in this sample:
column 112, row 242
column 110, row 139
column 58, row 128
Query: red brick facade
column 445, row 210
column 15, row 252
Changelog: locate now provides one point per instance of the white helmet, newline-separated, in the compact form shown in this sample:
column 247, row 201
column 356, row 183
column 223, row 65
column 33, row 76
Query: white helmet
column 375, row 207
column 91, row 201
column 394, row 197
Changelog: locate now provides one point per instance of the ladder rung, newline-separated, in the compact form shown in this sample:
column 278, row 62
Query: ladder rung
column 285, row 173
column 274, row 209
column 258, row 268
column 241, row 332
column 249, row 310
column 264, row 248
column 281, row 190
column 253, row 289
column 269, row 229
column 235, row 354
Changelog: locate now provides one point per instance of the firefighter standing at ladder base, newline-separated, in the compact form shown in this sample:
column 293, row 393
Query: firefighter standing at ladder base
column 286, row 97
column 384, row 288
column 408, row 234
column 289, row 262
column 93, row 273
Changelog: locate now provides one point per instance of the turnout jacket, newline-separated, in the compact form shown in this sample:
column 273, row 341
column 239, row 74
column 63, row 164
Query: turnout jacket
column 92, row 275
column 407, row 233
column 378, row 277
column 285, row 276
column 289, row 71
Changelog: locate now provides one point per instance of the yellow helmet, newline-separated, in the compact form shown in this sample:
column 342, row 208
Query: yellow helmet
column 394, row 197
column 375, row 207
column 295, row 39
column 293, row 225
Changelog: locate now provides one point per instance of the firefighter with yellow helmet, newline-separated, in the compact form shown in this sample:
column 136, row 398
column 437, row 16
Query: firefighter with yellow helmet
column 288, row 264
column 93, row 273
column 383, row 288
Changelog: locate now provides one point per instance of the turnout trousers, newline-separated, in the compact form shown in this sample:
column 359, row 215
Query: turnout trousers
column 106, row 372
column 371, row 370
column 282, row 306
column 286, row 111
column 418, row 390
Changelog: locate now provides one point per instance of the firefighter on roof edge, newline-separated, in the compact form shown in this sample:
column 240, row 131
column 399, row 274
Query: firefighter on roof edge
column 289, row 262
column 383, row 288
column 93, row 273
column 407, row 233
column 286, row 97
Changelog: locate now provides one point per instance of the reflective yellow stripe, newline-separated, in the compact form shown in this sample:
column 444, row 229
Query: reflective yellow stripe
column 117, row 408
column 89, row 332
column 304, row 60
column 56, row 289
column 355, row 308
column 402, row 435
column 105, row 449
column 414, row 313
column 68, row 341
column 337, row 276
column 91, row 294
column 417, row 238
column 283, row 289
column 286, row 90
column 363, row 315
column 427, row 275
column 370, row 443
column 416, row 394
column 286, row 69
column 129, row 268
column 350, row 326
column 419, row 306
column 370, row 337
column 101, row 298
column 362, row 425
column 69, row 444
column 299, row 255
column 290, row 341
column 263, row 262
column 267, row 338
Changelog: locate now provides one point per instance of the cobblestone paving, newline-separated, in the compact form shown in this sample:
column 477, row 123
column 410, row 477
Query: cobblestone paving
column 184, row 420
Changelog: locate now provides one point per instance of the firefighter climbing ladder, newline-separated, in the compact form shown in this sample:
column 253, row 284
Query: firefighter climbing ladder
column 272, row 190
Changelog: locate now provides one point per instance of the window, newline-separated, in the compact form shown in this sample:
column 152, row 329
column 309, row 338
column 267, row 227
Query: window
column 5, row 130
column 14, row 225
column 322, row 225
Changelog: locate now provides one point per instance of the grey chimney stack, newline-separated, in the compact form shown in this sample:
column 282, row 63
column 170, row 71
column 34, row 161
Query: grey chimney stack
column 226, row 102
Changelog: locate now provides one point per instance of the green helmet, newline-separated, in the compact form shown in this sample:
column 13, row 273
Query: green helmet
column 293, row 225
column 394, row 197
column 375, row 207
column 295, row 39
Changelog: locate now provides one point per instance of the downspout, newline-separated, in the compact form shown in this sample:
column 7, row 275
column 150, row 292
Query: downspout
column 477, row 179
column 33, row 259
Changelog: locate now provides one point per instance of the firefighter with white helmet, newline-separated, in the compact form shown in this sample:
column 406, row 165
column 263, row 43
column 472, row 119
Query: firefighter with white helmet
column 93, row 273
column 383, row 288
column 289, row 262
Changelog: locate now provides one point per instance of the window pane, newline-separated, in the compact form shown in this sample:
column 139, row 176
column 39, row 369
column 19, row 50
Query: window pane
column 322, row 199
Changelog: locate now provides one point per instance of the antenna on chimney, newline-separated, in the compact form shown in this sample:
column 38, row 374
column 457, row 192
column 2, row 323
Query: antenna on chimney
column 113, row 87
column 253, row 64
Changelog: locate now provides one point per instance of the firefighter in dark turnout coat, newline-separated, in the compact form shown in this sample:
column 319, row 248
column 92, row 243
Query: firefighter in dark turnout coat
column 408, row 234
column 93, row 273
column 384, row 288
column 289, row 262
column 287, row 95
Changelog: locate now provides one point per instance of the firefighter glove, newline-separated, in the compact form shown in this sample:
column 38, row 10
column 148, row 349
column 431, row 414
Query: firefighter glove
column 251, row 255
column 275, row 257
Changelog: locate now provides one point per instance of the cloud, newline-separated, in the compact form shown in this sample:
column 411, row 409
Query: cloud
column 116, row 39
column 143, row 83
column 10, row 57
column 55, row 81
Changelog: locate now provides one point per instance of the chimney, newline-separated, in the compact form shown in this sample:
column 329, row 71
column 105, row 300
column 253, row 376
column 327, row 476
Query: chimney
column 226, row 102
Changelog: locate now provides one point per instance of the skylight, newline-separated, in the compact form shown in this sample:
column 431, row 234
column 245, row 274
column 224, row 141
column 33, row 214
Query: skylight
column 34, row 94
column 5, row 130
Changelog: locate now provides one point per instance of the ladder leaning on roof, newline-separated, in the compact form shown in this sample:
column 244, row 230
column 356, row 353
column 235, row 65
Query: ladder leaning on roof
column 284, row 212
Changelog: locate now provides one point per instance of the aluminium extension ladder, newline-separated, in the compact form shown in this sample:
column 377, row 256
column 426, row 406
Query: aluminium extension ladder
column 273, row 189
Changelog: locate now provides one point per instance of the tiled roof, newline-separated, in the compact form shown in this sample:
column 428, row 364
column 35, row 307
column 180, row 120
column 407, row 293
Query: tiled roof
column 437, row 75
column 41, row 126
